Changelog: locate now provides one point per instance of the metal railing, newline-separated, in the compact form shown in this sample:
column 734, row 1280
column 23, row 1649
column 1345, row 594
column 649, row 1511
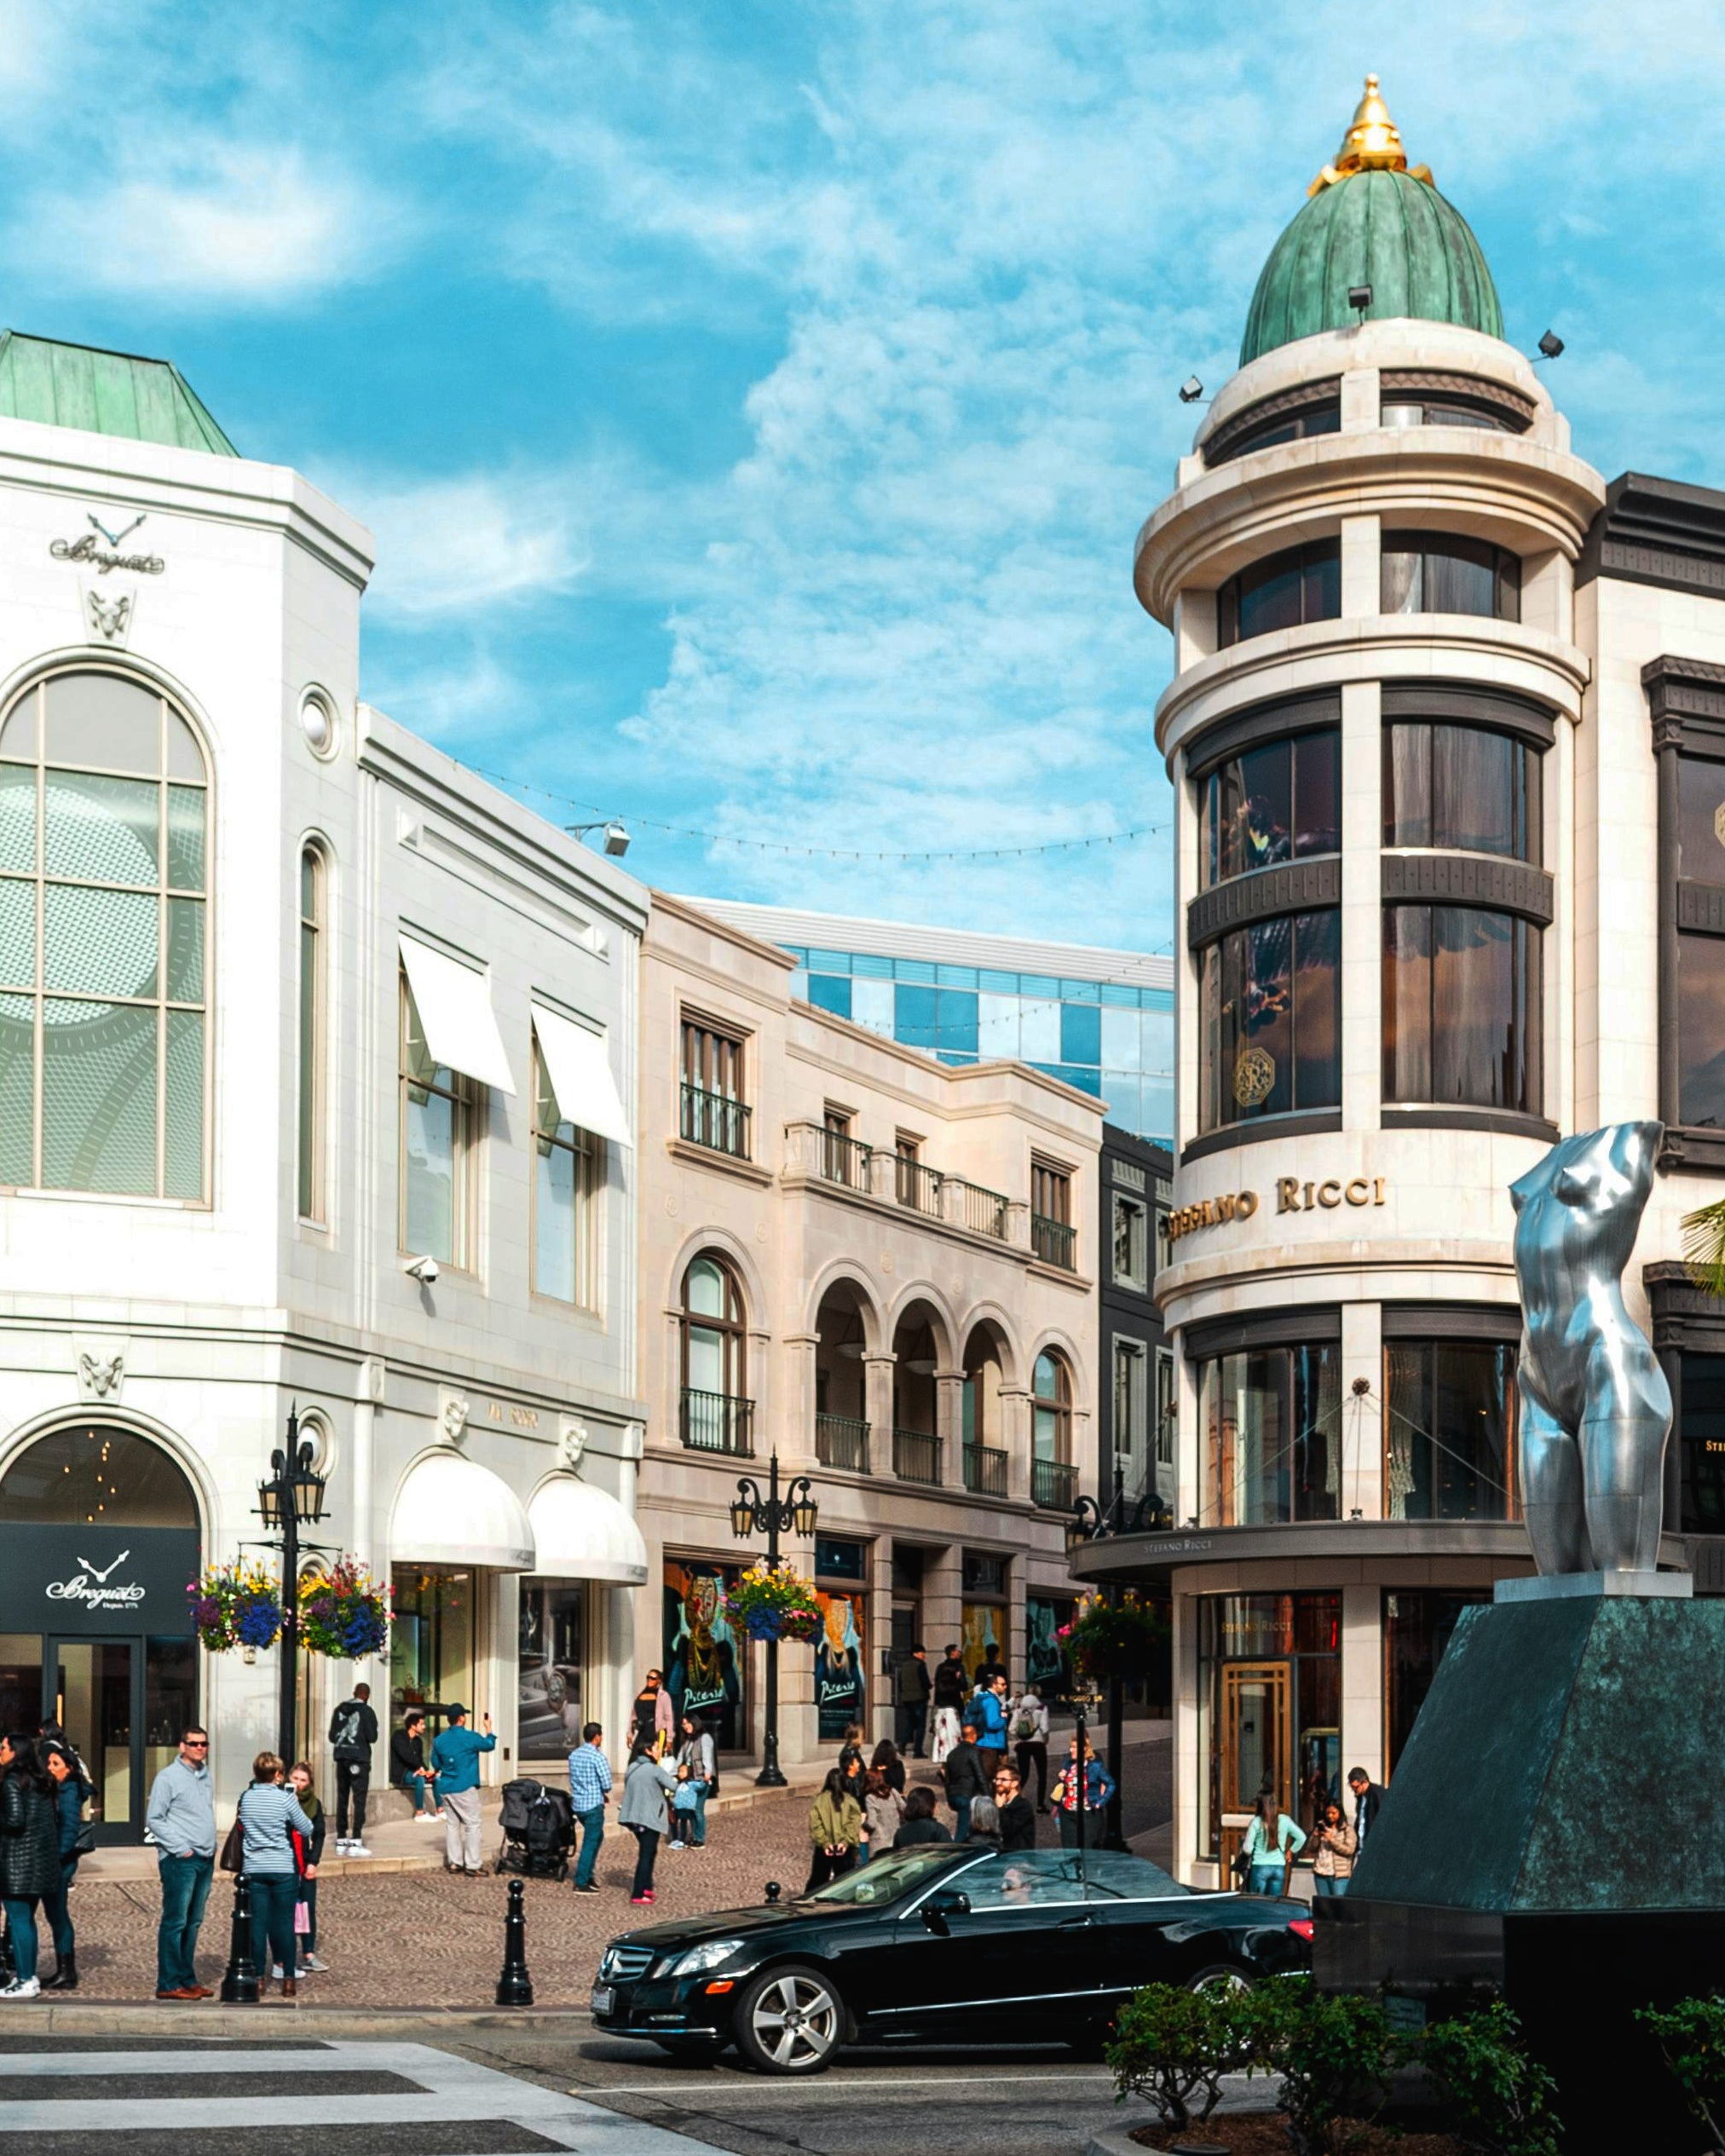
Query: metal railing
column 841, row 1441
column 717, row 1422
column 983, row 1212
column 715, row 1120
column 1054, row 1243
column 844, row 1159
column 916, row 1455
column 1053, row 1484
column 985, row 1470
column 916, row 1186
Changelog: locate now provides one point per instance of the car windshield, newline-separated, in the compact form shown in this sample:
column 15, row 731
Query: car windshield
column 1032, row 1878
column 888, row 1878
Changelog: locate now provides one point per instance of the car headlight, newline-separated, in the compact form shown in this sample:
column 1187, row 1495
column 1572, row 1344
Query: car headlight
column 708, row 1955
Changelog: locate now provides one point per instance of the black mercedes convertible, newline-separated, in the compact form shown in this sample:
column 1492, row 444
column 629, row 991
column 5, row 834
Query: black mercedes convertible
column 934, row 1944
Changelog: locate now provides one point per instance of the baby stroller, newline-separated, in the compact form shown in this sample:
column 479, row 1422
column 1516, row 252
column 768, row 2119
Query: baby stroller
column 539, row 1830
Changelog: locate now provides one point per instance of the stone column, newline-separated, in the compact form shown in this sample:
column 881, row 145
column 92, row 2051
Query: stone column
column 949, row 1422
column 877, row 1598
column 797, row 1436
column 943, row 1602
column 1362, row 1423
column 1362, row 1678
column 877, row 1398
column 1015, row 1436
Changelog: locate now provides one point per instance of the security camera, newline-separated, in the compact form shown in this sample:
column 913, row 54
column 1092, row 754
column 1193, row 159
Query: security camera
column 423, row 1270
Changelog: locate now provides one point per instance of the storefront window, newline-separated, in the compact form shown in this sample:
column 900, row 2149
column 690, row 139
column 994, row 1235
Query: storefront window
column 1417, row 1627
column 1278, row 802
column 1270, row 1039
column 705, row 1663
column 96, row 1472
column 1269, row 1709
column 21, row 1680
column 1462, row 788
column 841, row 1660
column 1449, row 1429
column 1462, row 1008
column 1702, row 1436
column 1046, row 1665
column 985, row 1622
column 431, row 1641
column 1271, row 1424
column 549, row 1667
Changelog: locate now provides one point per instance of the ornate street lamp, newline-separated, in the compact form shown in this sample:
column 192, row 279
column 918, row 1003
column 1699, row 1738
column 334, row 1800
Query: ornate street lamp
column 771, row 1515
column 293, row 1497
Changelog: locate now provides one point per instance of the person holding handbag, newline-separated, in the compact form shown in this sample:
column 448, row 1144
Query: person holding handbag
column 77, row 1839
column 306, row 1857
column 1272, row 1842
column 268, row 1817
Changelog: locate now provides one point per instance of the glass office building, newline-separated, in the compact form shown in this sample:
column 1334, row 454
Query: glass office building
column 1101, row 1020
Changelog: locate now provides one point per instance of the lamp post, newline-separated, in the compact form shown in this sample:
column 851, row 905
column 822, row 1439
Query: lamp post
column 751, row 1513
column 293, row 1497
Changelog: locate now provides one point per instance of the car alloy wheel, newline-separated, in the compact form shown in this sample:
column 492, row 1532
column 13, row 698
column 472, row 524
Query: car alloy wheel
column 792, row 2022
column 1220, row 1976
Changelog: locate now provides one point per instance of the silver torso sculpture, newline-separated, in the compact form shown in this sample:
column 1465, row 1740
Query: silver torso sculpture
column 1595, row 1407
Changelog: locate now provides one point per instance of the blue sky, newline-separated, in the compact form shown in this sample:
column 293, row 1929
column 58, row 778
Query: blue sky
column 755, row 404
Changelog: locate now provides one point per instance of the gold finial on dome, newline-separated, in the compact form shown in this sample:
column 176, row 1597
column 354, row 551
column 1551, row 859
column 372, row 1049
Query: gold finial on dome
column 1373, row 143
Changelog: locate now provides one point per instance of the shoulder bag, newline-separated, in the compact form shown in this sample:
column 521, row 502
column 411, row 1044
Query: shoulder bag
column 233, row 1856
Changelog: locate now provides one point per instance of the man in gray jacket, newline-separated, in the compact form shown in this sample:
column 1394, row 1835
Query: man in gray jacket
column 181, row 1823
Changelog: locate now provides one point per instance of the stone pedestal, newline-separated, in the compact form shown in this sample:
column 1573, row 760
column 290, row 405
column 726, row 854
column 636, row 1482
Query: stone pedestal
column 1555, row 1836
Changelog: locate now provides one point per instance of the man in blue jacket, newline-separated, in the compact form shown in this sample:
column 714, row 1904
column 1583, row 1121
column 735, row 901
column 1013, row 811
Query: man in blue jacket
column 988, row 1710
column 456, row 1757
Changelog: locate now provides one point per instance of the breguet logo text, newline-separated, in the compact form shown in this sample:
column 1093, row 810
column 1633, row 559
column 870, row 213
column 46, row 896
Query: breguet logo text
column 90, row 1585
column 89, row 548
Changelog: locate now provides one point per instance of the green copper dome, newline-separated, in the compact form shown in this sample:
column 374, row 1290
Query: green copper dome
column 1371, row 220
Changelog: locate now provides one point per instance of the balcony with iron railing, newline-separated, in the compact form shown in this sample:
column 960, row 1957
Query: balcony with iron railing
column 716, row 1422
column 915, row 1187
column 842, row 1441
column 985, row 1470
column 834, row 1157
column 717, row 1122
column 916, row 1456
column 842, row 1159
column 1053, row 1485
column 1054, row 1243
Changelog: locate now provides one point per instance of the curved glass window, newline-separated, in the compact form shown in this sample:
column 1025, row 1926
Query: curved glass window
column 104, row 936
column 1462, row 787
column 1288, row 426
column 1278, row 802
column 1449, row 1429
column 1271, row 1420
column 1304, row 583
column 1443, row 573
column 92, row 1472
column 1269, row 1004
column 1437, row 413
column 1462, row 1008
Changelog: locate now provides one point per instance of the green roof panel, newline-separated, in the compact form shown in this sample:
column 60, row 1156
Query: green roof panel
column 105, row 393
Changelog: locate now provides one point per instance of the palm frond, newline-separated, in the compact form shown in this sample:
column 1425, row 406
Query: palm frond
column 1704, row 1247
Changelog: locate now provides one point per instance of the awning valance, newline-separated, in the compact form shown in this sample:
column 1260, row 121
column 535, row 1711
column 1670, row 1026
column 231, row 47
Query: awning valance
column 581, row 1533
column 454, row 1006
column 579, row 1071
column 451, row 1511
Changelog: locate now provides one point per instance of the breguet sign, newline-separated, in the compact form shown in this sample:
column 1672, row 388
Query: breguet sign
column 1292, row 1195
column 93, row 1579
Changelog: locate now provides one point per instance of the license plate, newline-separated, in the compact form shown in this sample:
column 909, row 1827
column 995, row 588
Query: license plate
column 604, row 1998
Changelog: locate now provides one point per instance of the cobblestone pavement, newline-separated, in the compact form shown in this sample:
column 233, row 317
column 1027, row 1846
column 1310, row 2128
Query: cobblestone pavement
column 414, row 1938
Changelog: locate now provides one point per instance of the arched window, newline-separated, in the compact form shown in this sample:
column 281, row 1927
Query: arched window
column 716, row 1413
column 1053, row 1479
column 314, row 1027
column 104, row 941
column 96, row 1472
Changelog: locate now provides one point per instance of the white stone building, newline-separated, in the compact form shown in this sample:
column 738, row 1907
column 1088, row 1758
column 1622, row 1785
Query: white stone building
column 1447, row 738
column 290, row 1002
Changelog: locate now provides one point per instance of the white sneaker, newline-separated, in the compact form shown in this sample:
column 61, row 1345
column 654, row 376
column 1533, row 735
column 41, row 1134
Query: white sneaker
column 275, row 1972
column 426, row 1818
column 358, row 1849
column 314, row 1966
column 341, row 1845
column 28, row 1987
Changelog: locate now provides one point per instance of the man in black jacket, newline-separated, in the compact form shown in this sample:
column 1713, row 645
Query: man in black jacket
column 1017, row 1813
column 911, row 1689
column 352, row 1731
column 965, row 1779
column 1369, row 1798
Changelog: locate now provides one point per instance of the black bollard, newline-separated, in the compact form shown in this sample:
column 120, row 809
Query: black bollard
column 774, row 1890
column 515, row 1986
column 240, row 1983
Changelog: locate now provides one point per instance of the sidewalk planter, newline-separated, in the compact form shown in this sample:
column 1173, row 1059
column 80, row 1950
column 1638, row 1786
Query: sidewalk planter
column 774, row 1602
column 236, row 1605
column 345, row 1616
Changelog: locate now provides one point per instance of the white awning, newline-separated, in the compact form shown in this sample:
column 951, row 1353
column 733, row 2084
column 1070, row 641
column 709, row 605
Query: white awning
column 454, row 1006
column 451, row 1511
column 581, row 1533
column 579, row 1071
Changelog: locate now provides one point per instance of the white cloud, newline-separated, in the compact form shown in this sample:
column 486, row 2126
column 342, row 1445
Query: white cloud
column 225, row 221
column 459, row 546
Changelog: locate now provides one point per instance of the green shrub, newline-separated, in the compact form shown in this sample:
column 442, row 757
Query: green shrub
column 1691, row 2035
column 1498, row 2099
column 1334, row 2054
column 1172, row 2047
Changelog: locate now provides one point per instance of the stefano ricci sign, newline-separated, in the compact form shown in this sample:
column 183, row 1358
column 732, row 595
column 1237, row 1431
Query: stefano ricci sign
column 1292, row 1195
column 96, row 1579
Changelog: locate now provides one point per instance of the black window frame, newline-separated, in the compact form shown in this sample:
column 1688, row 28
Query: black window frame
column 1316, row 562
column 1686, row 707
column 1501, row 564
column 1300, row 742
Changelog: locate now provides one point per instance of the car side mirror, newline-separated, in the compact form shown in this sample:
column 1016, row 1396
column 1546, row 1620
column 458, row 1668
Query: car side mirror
column 938, row 1907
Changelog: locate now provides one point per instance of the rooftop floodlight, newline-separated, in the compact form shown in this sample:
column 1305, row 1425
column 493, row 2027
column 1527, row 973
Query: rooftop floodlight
column 1550, row 344
column 1190, row 390
column 616, row 838
column 1359, row 298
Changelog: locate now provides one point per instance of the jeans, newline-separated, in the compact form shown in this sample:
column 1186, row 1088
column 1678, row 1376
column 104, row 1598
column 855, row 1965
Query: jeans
column 423, row 1794
column 20, row 1929
column 308, row 1894
column 593, row 1826
column 961, row 1814
column 1036, row 1755
column 273, row 1896
column 353, row 1780
column 57, row 1911
column 912, row 1725
column 646, row 1856
column 1266, row 1878
column 1321, row 1885
column 185, row 1890
column 690, row 1820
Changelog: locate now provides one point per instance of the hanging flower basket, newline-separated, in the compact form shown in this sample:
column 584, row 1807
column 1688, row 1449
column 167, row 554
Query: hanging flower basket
column 345, row 1616
column 1105, row 1643
column 236, row 1605
column 772, row 1602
